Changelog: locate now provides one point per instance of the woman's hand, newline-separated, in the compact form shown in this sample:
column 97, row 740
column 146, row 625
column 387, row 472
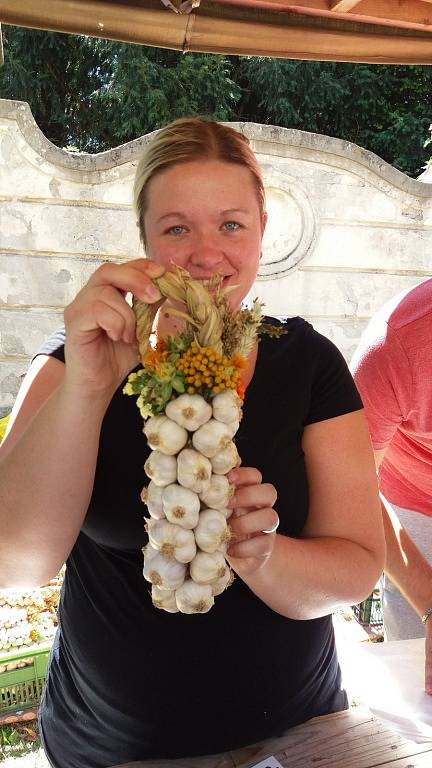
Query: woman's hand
column 253, row 515
column 100, row 345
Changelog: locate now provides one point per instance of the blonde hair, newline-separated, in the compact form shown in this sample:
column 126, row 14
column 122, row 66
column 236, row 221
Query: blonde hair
column 186, row 140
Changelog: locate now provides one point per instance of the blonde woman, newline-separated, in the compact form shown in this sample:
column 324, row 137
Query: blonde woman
column 128, row 682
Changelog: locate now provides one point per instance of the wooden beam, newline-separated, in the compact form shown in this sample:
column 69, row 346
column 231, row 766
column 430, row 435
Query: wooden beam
column 403, row 14
column 343, row 6
column 218, row 28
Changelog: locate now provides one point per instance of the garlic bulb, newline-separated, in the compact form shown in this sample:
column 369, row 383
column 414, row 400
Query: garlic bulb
column 225, row 581
column 190, row 411
column 194, row 598
column 212, row 532
column 193, row 470
column 225, row 460
column 232, row 427
column 191, row 434
column 164, row 599
column 165, row 435
column 211, row 438
column 218, row 493
column 152, row 497
column 227, row 406
column 226, row 511
column 172, row 541
column 206, row 567
column 181, row 505
column 149, row 552
column 168, row 574
column 160, row 468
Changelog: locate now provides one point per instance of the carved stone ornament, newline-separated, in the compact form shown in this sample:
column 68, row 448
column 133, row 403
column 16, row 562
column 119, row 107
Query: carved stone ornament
column 290, row 230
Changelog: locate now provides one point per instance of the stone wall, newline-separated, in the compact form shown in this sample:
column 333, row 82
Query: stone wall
column 346, row 231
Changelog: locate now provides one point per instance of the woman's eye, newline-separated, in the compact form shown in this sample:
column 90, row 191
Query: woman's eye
column 231, row 226
column 176, row 230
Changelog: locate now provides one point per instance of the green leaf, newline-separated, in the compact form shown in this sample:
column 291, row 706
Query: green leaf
column 178, row 384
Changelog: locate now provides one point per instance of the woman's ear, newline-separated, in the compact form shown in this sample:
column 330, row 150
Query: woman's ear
column 264, row 218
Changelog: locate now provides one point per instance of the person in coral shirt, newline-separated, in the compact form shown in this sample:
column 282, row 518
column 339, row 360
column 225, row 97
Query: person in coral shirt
column 392, row 368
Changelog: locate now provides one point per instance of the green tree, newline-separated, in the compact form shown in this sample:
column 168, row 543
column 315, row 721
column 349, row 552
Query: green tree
column 95, row 94
column 386, row 109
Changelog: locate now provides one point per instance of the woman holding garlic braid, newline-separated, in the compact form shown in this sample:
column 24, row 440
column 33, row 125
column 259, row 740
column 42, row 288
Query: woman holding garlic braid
column 127, row 681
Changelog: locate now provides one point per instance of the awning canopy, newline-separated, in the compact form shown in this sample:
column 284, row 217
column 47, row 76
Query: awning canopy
column 373, row 31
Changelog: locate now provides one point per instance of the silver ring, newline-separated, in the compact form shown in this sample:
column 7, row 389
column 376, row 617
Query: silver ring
column 275, row 527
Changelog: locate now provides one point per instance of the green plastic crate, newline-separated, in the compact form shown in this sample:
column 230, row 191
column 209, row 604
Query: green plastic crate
column 369, row 612
column 22, row 688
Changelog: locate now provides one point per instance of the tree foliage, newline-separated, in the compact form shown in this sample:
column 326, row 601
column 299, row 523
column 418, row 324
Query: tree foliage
column 95, row 94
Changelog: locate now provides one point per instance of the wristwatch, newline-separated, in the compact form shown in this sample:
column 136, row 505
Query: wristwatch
column 427, row 613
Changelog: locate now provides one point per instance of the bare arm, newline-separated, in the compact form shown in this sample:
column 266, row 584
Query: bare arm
column 48, row 459
column 341, row 554
column 406, row 565
column 47, row 473
column 409, row 571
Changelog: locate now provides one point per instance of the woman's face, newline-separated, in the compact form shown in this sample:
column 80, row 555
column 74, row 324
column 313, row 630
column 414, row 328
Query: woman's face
column 204, row 216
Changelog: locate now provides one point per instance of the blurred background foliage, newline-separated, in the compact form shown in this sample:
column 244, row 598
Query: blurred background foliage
column 91, row 95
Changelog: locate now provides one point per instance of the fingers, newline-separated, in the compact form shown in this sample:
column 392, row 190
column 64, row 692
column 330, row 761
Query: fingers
column 114, row 315
column 255, row 522
column 253, row 496
column 259, row 547
column 102, row 307
column 245, row 476
column 134, row 277
column 101, row 304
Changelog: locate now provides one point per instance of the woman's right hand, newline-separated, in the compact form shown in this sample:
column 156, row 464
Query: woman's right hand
column 101, row 346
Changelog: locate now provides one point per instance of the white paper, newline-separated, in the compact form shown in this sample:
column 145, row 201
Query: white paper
column 269, row 762
column 389, row 677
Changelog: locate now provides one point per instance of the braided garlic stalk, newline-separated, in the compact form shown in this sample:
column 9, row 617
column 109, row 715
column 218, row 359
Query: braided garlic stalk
column 189, row 397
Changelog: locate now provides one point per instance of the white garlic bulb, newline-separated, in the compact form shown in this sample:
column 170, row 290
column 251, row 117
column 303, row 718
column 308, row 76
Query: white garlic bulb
column 226, row 406
column 181, row 505
column 212, row 532
column 164, row 599
column 225, row 460
column 225, row 581
column 190, row 411
column 206, row 567
column 188, row 500
column 172, row 541
column 226, row 511
column 168, row 574
column 152, row 497
column 193, row 470
column 194, row 598
column 211, row 438
column 149, row 551
column 219, row 492
column 165, row 435
column 232, row 427
column 161, row 468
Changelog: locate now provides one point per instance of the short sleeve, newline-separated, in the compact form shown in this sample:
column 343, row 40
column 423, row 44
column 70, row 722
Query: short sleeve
column 333, row 392
column 378, row 366
column 53, row 346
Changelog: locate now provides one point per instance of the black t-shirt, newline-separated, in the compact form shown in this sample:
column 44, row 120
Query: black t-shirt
column 130, row 682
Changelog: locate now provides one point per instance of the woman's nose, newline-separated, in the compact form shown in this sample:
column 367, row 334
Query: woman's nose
column 206, row 252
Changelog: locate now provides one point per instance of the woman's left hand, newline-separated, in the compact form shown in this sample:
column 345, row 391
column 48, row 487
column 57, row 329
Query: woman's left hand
column 253, row 522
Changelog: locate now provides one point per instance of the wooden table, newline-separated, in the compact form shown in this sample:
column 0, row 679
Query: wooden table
column 352, row 739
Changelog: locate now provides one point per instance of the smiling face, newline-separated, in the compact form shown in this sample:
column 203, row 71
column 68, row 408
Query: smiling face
column 205, row 216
